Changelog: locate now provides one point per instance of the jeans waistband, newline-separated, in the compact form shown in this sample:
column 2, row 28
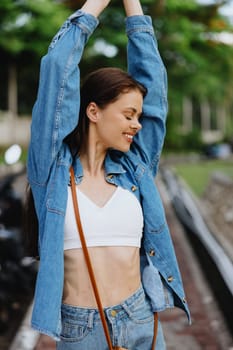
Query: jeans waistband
column 86, row 313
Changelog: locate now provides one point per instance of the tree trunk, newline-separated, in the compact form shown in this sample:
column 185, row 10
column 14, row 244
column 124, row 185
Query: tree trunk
column 221, row 118
column 187, row 114
column 12, row 90
column 205, row 116
column 12, row 100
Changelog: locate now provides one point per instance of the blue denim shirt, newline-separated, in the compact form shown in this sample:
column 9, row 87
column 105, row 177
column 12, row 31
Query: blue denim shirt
column 55, row 115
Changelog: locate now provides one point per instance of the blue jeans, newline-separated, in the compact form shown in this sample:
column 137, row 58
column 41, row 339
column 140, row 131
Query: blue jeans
column 130, row 325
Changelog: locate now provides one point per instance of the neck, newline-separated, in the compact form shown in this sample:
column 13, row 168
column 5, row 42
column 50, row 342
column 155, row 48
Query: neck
column 92, row 156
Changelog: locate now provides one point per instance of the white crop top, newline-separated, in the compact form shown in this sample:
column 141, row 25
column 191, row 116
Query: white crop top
column 118, row 223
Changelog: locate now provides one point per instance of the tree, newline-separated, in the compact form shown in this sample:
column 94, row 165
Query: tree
column 200, row 67
column 26, row 27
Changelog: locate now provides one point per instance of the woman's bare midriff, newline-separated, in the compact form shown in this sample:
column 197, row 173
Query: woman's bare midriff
column 116, row 270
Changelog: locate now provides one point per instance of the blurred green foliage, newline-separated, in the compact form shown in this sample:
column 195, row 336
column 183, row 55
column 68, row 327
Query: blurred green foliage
column 199, row 67
column 26, row 28
column 28, row 25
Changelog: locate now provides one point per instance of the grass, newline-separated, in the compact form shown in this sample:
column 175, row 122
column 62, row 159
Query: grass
column 198, row 174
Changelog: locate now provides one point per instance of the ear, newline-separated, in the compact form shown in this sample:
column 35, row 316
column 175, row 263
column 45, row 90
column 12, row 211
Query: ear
column 92, row 112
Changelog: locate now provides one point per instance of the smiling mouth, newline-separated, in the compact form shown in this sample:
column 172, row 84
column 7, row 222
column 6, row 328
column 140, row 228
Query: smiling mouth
column 129, row 137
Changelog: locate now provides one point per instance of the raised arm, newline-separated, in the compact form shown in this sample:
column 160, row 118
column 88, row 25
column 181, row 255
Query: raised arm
column 55, row 113
column 132, row 7
column 94, row 7
column 146, row 66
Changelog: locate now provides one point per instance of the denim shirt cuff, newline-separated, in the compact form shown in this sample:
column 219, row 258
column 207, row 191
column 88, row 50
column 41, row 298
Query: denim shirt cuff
column 87, row 21
column 139, row 23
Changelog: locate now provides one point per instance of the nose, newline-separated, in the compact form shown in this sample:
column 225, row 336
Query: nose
column 135, row 125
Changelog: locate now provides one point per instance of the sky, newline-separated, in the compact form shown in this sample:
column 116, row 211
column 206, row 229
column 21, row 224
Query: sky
column 226, row 10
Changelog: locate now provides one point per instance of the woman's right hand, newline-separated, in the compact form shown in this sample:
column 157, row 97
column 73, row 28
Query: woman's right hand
column 95, row 7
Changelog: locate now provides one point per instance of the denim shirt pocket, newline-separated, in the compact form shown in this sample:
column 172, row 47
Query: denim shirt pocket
column 55, row 204
column 57, row 197
column 154, row 215
column 155, row 221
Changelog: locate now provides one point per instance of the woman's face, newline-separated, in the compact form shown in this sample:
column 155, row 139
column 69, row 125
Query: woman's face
column 118, row 122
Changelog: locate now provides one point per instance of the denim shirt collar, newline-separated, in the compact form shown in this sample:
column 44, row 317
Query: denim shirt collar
column 111, row 167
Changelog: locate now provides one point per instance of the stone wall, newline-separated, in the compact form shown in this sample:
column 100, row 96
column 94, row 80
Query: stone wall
column 217, row 203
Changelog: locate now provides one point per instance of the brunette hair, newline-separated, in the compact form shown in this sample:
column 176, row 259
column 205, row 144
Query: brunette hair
column 103, row 86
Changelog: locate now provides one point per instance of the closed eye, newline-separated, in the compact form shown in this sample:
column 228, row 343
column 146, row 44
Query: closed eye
column 132, row 113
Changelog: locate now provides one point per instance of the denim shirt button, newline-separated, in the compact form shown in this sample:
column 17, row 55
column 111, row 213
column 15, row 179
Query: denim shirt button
column 134, row 188
column 152, row 252
column 184, row 300
column 109, row 177
column 170, row 279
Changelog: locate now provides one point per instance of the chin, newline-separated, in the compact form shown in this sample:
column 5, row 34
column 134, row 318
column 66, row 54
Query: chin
column 124, row 149
column 120, row 149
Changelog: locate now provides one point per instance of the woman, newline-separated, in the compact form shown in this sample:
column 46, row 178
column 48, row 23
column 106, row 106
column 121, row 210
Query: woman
column 112, row 135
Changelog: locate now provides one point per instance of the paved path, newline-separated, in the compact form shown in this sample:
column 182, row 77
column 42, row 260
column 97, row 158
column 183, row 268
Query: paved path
column 208, row 331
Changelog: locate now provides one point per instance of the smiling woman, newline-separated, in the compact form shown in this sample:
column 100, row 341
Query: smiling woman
column 108, row 135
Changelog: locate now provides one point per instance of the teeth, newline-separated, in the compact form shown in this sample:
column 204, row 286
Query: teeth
column 129, row 136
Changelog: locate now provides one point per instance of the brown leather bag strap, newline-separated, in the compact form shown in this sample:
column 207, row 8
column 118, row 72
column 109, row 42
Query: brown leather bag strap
column 91, row 272
column 88, row 260
column 156, row 323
